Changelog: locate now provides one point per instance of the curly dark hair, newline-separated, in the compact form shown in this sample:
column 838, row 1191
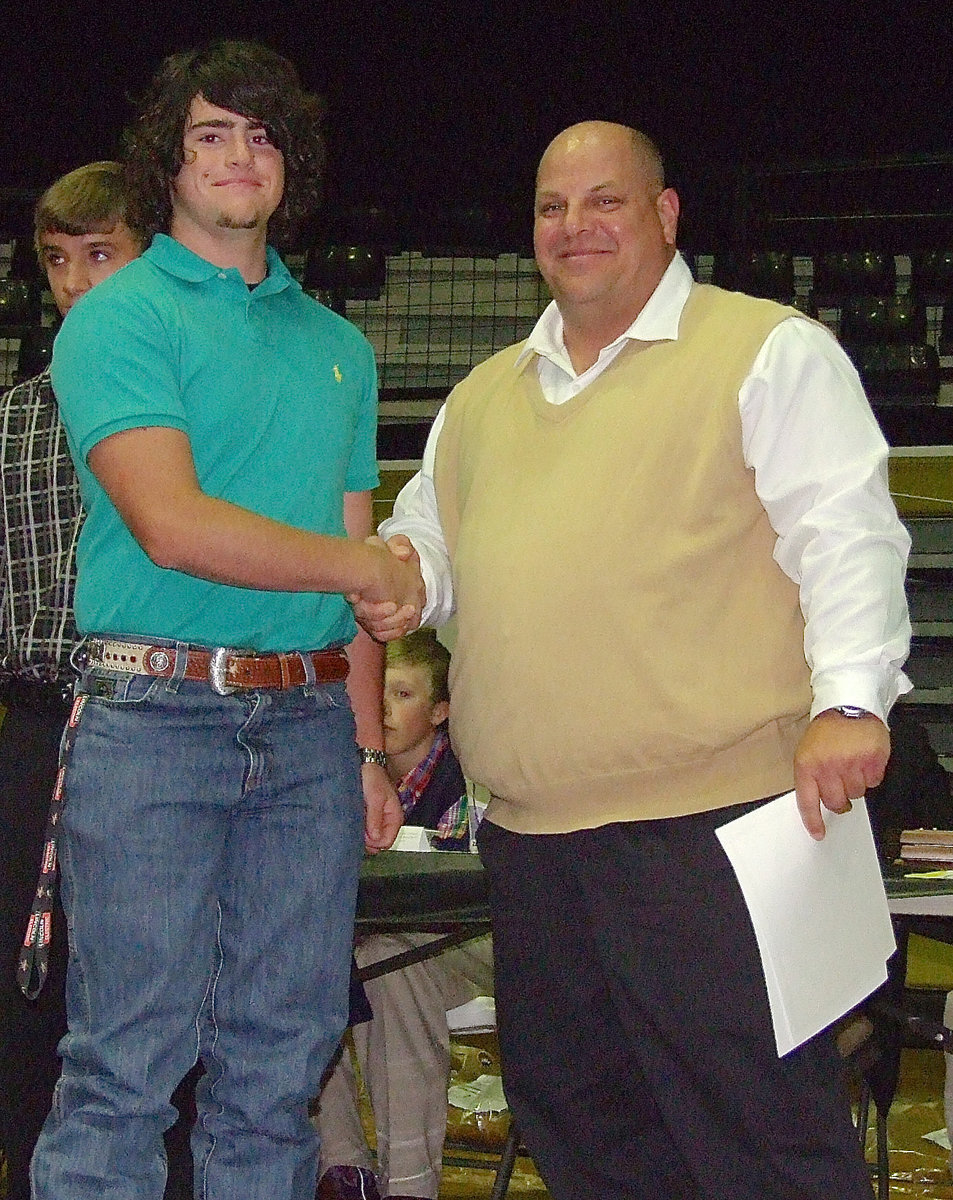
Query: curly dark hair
column 246, row 78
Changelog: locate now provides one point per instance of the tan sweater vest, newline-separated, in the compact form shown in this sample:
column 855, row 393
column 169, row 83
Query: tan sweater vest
column 627, row 647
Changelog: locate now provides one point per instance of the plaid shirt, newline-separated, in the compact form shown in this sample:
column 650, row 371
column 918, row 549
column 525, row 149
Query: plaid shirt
column 39, row 497
column 453, row 824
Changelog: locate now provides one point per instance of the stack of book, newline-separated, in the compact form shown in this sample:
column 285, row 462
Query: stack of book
column 928, row 847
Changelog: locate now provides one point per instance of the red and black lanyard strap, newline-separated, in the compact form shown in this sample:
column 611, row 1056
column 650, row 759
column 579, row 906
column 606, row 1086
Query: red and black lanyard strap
column 34, row 962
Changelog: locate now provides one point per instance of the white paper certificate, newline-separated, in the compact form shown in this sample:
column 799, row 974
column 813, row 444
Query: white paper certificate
column 819, row 912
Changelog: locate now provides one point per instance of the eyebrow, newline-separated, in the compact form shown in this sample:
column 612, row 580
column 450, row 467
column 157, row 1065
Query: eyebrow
column 596, row 187
column 103, row 239
column 226, row 123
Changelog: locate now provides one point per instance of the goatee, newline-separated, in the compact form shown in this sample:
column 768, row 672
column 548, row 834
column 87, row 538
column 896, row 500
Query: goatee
column 224, row 221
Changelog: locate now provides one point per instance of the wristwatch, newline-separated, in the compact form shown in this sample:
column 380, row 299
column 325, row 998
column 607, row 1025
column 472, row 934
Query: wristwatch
column 370, row 755
column 851, row 710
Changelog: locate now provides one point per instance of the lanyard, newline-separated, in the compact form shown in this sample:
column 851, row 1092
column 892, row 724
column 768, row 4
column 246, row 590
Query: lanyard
column 34, row 962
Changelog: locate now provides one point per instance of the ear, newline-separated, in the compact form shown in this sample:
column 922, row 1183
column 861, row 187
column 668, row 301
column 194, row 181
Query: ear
column 439, row 713
column 667, row 207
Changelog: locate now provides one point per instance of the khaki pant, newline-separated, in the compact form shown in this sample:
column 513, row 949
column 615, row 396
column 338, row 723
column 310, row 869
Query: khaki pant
column 404, row 1058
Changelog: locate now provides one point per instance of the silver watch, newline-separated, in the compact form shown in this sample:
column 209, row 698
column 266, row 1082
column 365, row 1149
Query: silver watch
column 370, row 755
column 850, row 710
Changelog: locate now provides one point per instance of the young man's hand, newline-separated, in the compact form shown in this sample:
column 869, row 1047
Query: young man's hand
column 383, row 815
column 389, row 614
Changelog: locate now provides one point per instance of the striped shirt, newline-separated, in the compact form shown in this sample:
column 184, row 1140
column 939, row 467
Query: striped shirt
column 42, row 515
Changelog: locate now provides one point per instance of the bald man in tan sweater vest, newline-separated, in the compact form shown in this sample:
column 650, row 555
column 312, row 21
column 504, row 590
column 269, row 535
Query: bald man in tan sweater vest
column 663, row 529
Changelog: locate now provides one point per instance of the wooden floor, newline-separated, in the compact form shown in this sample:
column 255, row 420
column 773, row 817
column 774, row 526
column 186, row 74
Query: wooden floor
column 465, row 1183
column 918, row 1168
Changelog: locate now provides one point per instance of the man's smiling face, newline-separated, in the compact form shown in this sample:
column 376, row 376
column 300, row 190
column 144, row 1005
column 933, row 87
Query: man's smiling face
column 232, row 176
column 604, row 229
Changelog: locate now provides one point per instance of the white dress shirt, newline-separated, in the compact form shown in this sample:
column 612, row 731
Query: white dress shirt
column 820, row 470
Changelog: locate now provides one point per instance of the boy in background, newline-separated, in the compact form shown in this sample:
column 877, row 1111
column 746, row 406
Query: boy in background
column 83, row 233
column 404, row 1051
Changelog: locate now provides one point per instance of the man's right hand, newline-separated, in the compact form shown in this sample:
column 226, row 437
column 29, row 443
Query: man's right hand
column 391, row 605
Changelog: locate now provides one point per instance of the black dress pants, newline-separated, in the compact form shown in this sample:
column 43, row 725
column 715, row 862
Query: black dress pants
column 637, row 1047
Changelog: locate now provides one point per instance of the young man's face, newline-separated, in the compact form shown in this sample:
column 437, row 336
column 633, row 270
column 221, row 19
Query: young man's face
column 74, row 263
column 410, row 715
column 231, row 177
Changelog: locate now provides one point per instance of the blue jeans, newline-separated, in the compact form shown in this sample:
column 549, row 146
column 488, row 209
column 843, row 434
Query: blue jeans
column 210, row 851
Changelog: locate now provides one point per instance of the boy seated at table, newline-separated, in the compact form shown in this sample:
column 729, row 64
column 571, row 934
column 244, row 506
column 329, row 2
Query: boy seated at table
column 404, row 1051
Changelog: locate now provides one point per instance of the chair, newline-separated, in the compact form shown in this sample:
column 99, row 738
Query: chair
column 901, row 1018
column 898, row 373
column 342, row 273
column 854, row 273
column 36, row 351
column 857, row 1045
column 886, row 338
column 946, row 325
column 768, row 273
column 894, row 319
column 765, row 273
column 19, row 303
column 478, row 1016
column 931, row 274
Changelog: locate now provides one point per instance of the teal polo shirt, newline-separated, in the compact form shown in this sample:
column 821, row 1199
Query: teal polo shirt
column 278, row 397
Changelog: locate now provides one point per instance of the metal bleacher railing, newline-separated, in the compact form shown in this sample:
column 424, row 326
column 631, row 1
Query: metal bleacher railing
column 430, row 319
column 438, row 316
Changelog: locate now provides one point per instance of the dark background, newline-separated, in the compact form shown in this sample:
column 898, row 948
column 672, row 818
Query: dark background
column 443, row 107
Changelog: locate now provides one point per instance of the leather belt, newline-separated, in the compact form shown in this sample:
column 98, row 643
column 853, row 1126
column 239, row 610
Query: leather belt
column 225, row 670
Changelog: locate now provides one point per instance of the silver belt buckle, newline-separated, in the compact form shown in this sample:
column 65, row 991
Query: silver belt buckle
column 217, row 668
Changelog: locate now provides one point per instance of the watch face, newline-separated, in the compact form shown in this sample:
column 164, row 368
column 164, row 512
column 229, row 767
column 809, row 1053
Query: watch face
column 850, row 710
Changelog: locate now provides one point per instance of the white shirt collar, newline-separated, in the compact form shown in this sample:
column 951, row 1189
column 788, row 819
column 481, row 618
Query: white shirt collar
column 658, row 321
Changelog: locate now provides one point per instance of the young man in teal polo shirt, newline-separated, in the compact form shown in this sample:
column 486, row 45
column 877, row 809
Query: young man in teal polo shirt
column 223, row 427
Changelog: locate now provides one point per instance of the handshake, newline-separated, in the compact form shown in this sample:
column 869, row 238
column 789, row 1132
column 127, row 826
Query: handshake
column 389, row 605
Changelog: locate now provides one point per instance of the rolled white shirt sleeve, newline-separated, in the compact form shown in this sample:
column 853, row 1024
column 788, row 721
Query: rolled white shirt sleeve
column 416, row 516
column 820, row 464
